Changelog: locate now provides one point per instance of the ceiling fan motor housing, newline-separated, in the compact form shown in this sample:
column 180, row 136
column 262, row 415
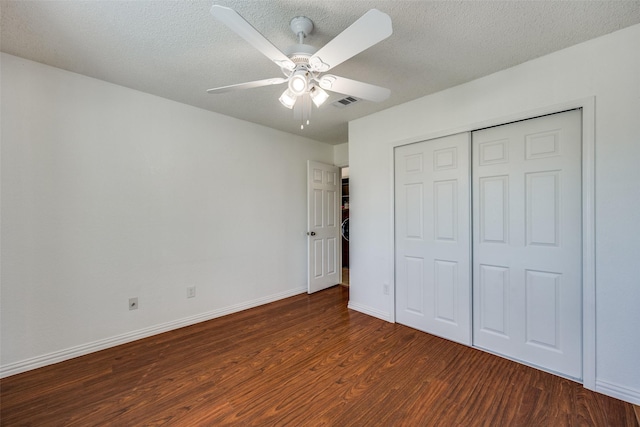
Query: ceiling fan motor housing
column 300, row 53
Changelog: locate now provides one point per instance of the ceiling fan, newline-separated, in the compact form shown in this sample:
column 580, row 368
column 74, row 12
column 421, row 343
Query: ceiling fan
column 304, row 66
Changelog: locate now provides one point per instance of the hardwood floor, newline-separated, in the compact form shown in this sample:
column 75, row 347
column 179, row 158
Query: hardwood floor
column 305, row 360
column 345, row 276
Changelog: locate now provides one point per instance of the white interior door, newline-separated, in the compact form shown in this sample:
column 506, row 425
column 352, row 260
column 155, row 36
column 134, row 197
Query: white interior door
column 323, row 195
column 433, row 288
column 527, row 281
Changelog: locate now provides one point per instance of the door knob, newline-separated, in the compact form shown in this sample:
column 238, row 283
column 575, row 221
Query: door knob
column 311, row 233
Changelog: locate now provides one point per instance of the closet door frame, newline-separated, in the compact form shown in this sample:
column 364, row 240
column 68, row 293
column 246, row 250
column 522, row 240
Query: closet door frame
column 587, row 105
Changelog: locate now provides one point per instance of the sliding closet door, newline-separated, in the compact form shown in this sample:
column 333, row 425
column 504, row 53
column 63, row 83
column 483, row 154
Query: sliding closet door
column 433, row 237
column 527, row 283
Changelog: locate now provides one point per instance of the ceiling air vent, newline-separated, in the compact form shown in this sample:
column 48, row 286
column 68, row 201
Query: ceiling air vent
column 341, row 103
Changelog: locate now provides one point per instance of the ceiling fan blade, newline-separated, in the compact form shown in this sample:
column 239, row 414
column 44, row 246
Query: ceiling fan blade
column 237, row 23
column 372, row 27
column 248, row 85
column 355, row 88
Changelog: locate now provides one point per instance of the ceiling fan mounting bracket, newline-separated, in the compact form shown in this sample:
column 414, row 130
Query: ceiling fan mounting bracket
column 301, row 27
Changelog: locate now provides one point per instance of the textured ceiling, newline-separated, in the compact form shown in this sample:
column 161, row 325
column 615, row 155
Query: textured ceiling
column 177, row 50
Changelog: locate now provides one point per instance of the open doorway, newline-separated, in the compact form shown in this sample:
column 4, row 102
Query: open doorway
column 344, row 229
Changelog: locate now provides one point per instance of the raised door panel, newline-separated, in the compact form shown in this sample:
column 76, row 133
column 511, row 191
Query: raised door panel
column 493, row 298
column 543, row 208
column 318, row 258
column 445, row 207
column 413, row 211
column 543, row 309
column 445, row 291
column 332, row 253
column 493, row 208
column 331, row 212
column 414, row 268
column 318, row 208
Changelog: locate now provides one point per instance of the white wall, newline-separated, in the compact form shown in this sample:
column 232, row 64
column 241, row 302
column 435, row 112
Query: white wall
column 341, row 154
column 607, row 68
column 109, row 193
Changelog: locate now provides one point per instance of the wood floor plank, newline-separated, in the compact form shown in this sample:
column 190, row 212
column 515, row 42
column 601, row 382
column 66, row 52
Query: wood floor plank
column 305, row 360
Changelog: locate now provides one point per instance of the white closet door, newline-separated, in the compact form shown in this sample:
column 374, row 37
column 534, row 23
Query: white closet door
column 433, row 237
column 527, row 284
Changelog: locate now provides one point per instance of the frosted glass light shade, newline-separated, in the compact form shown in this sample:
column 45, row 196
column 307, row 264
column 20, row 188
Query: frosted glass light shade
column 288, row 98
column 318, row 96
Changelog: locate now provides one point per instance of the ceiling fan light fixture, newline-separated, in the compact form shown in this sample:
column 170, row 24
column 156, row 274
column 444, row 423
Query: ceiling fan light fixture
column 288, row 99
column 298, row 83
column 318, row 96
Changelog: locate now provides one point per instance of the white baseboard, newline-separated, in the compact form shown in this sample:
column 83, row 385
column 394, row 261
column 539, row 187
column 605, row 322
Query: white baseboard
column 81, row 350
column 370, row 311
column 618, row 391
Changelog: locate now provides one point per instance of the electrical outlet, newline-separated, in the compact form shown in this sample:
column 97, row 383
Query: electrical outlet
column 191, row 292
column 133, row 303
column 385, row 288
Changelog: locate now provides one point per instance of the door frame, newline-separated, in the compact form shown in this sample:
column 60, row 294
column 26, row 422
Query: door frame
column 587, row 105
